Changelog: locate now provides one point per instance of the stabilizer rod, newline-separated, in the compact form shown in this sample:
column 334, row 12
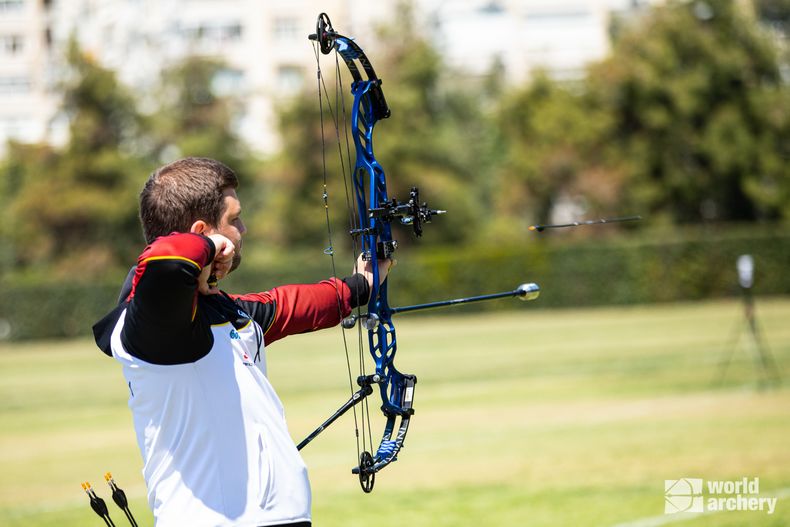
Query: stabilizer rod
column 524, row 292
column 355, row 399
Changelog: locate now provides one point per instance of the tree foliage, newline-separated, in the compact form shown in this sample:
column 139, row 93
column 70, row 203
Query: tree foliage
column 687, row 120
column 75, row 207
column 72, row 211
column 555, row 153
column 438, row 137
column 197, row 114
column 700, row 114
column 193, row 118
column 775, row 14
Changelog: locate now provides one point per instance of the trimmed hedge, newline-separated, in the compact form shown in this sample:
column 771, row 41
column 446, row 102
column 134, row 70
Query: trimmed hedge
column 604, row 273
column 53, row 310
column 680, row 266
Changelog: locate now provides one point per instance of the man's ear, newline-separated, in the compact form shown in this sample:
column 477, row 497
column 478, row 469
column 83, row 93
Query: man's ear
column 200, row 227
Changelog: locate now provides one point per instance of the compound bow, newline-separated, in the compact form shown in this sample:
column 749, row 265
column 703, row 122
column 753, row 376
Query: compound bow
column 374, row 211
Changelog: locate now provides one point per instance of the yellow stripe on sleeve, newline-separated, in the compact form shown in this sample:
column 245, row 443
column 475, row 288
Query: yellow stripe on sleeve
column 154, row 258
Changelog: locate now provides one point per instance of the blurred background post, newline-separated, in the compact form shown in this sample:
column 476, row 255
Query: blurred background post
column 766, row 366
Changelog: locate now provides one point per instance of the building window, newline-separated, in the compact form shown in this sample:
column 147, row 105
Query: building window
column 217, row 33
column 228, row 82
column 11, row 5
column 9, row 85
column 231, row 32
column 290, row 78
column 559, row 17
column 11, row 44
column 286, row 29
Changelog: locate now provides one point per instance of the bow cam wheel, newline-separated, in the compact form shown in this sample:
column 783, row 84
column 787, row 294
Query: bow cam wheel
column 324, row 34
column 367, row 476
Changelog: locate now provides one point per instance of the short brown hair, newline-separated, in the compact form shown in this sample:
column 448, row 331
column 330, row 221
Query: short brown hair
column 182, row 192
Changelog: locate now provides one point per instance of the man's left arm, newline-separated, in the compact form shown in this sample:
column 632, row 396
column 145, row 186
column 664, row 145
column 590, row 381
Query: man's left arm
column 301, row 308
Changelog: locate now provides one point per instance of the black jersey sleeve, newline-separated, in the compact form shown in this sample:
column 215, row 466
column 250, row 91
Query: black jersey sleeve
column 162, row 325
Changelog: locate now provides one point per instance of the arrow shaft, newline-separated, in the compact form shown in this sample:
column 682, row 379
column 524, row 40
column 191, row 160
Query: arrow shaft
column 619, row 219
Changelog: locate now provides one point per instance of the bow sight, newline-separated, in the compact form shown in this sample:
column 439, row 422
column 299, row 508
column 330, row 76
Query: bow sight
column 411, row 213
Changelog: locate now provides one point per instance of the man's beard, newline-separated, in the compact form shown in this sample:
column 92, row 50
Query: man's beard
column 236, row 257
column 236, row 262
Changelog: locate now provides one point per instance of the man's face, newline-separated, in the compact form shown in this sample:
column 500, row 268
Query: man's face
column 230, row 224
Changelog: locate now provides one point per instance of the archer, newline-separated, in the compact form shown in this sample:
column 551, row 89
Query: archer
column 210, row 427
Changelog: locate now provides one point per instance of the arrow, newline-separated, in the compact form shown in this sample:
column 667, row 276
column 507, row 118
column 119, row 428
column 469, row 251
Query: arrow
column 541, row 228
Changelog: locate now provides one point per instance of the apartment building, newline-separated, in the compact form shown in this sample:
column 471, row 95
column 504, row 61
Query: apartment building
column 263, row 43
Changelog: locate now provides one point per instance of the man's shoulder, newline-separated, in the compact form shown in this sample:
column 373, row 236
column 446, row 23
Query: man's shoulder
column 220, row 309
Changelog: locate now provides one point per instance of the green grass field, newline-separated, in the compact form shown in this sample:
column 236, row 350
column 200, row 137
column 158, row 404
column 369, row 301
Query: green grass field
column 539, row 418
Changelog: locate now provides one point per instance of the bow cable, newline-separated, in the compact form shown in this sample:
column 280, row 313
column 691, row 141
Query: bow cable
column 351, row 206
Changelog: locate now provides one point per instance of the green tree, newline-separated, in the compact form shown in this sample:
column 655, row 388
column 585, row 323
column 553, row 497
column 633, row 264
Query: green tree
column 553, row 137
column 775, row 14
column 437, row 137
column 72, row 211
column 196, row 113
column 291, row 184
column 700, row 114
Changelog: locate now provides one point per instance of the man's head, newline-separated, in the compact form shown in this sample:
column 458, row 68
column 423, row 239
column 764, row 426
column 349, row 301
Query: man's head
column 194, row 194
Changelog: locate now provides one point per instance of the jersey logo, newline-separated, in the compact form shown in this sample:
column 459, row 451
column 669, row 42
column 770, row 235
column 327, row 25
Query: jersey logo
column 245, row 359
column 234, row 334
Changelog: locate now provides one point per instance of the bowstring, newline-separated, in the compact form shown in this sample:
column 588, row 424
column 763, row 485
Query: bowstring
column 351, row 205
column 330, row 250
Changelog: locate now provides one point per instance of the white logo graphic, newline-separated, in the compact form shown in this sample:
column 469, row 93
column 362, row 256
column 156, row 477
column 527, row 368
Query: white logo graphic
column 683, row 495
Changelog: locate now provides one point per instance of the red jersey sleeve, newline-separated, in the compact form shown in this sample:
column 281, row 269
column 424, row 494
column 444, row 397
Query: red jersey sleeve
column 292, row 309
